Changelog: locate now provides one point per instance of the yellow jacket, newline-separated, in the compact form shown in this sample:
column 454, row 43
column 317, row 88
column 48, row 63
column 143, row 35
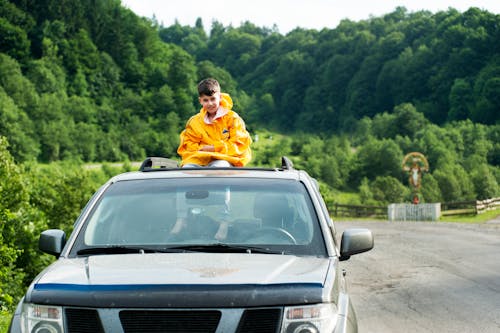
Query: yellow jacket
column 227, row 134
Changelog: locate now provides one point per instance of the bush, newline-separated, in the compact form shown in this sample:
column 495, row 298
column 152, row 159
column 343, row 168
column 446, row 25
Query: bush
column 13, row 198
column 387, row 189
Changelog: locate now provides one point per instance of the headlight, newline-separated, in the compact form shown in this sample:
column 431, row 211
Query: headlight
column 41, row 319
column 318, row 318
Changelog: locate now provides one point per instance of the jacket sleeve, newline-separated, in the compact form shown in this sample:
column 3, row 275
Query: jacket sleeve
column 189, row 139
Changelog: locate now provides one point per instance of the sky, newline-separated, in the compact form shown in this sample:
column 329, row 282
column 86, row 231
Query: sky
column 288, row 14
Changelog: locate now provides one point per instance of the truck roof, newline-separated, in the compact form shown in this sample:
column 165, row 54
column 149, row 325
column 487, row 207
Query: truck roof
column 156, row 167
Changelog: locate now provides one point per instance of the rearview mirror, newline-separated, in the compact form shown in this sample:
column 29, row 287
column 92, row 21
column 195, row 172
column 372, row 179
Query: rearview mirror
column 52, row 241
column 355, row 241
column 197, row 194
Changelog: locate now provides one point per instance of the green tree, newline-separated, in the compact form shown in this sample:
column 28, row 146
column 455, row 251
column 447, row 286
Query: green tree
column 441, row 146
column 387, row 189
column 243, row 46
column 461, row 100
column 13, row 199
column 455, row 183
column 46, row 76
column 18, row 128
column 449, row 185
column 430, row 189
column 13, row 40
column 488, row 102
column 485, row 182
column 366, row 193
column 60, row 190
column 377, row 158
column 169, row 129
column 408, row 121
column 15, row 15
column 16, row 85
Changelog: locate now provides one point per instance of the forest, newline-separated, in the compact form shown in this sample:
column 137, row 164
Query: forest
column 88, row 81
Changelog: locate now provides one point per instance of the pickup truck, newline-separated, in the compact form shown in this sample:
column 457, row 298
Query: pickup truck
column 168, row 249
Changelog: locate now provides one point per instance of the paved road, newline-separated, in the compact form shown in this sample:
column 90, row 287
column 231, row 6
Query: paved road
column 427, row 277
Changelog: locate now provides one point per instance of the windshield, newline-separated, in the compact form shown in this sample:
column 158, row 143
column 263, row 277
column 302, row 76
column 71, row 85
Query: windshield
column 199, row 213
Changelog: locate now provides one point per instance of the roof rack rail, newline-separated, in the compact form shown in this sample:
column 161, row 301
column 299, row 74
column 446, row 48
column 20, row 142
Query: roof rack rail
column 286, row 163
column 155, row 163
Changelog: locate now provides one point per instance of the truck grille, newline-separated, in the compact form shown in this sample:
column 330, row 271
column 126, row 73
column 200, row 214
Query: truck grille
column 83, row 321
column 260, row 321
column 169, row 321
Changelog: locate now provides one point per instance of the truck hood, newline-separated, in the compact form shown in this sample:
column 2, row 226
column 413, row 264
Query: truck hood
column 183, row 280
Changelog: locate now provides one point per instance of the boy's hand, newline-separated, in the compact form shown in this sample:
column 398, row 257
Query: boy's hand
column 207, row 148
column 222, row 231
column 179, row 225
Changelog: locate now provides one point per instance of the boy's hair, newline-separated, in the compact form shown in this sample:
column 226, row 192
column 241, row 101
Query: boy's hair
column 208, row 87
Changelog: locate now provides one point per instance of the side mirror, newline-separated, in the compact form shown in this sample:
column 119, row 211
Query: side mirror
column 355, row 241
column 52, row 241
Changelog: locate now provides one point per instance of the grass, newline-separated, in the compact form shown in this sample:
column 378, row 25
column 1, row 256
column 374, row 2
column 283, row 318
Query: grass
column 472, row 218
column 347, row 198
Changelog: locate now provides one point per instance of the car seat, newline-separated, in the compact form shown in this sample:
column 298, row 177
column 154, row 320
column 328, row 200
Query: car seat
column 273, row 210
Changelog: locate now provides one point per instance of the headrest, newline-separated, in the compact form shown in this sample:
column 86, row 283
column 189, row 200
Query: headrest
column 271, row 206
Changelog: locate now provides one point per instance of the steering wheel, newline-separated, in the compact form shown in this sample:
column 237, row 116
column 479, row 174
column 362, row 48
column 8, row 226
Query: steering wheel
column 279, row 232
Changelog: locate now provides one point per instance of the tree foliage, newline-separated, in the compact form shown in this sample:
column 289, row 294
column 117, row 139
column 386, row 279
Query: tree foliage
column 401, row 70
column 15, row 235
column 92, row 81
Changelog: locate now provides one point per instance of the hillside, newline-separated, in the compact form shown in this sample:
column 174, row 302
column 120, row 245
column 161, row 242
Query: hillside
column 93, row 82
column 446, row 64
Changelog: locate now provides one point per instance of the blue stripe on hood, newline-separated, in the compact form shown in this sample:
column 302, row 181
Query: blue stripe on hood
column 164, row 287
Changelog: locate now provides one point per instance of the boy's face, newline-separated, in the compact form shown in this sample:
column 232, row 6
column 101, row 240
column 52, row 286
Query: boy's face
column 210, row 103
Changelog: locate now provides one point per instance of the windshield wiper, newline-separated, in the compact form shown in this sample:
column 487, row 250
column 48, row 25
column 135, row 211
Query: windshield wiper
column 223, row 248
column 120, row 249
column 215, row 248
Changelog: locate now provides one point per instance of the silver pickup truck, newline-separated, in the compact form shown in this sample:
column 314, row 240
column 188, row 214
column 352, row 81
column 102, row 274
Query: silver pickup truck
column 167, row 249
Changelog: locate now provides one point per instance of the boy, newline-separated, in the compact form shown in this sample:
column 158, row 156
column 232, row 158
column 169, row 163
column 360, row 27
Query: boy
column 216, row 136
